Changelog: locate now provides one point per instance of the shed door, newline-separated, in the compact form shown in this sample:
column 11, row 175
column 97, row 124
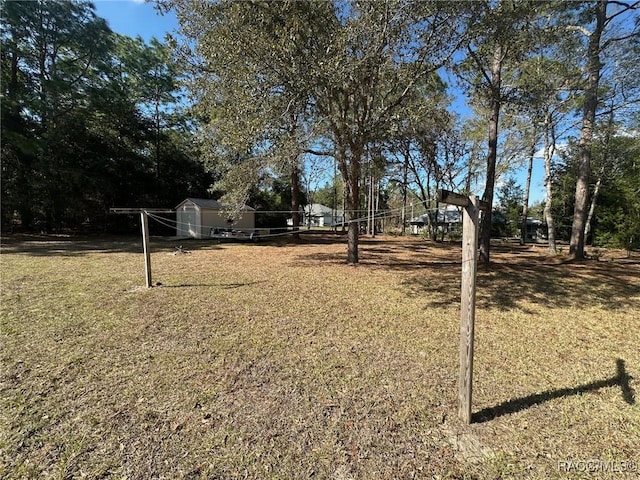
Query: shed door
column 188, row 225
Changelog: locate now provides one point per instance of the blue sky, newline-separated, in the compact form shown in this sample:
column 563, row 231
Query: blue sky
column 135, row 17
column 138, row 18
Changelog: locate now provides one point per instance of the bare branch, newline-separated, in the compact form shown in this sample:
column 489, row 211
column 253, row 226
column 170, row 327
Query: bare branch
column 319, row 153
column 480, row 66
column 625, row 8
column 635, row 33
column 578, row 28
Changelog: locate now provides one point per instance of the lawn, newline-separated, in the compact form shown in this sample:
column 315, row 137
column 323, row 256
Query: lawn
column 279, row 361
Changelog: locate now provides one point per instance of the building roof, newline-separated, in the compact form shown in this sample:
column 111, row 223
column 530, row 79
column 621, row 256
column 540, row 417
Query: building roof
column 317, row 209
column 210, row 204
column 447, row 214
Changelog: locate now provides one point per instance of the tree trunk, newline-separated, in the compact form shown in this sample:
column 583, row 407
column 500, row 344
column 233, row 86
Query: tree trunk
column 157, row 126
column 353, row 196
column 596, row 190
column 592, row 207
column 496, row 82
column 344, row 205
column 527, row 189
column 351, row 171
column 295, row 197
column 576, row 245
column 549, row 148
column 405, row 176
column 335, row 198
column 369, row 204
column 376, row 205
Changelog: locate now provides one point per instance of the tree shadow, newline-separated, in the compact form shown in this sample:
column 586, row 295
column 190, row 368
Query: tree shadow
column 387, row 254
column 74, row 246
column 621, row 379
column 519, row 277
column 526, row 278
column 224, row 286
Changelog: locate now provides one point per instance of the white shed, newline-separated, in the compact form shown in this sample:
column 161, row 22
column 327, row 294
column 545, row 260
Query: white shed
column 200, row 218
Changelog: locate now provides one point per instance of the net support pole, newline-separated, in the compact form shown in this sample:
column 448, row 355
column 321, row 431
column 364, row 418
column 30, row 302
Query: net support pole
column 144, row 222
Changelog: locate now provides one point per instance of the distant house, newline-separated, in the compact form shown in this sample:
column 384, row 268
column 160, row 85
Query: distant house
column 318, row 215
column 201, row 218
column 536, row 230
column 447, row 217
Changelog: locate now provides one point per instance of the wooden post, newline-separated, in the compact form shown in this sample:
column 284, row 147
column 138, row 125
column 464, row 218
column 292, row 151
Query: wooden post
column 468, row 306
column 145, row 246
column 144, row 223
column 470, row 225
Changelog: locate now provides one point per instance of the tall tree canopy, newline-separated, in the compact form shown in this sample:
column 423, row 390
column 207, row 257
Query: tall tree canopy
column 88, row 119
column 351, row 66
column 601, row 27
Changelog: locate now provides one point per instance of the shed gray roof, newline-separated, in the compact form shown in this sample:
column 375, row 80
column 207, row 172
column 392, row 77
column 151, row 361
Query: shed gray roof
column 210, row 204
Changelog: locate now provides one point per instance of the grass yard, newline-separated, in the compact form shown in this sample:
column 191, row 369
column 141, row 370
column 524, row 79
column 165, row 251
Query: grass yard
column 279, row 361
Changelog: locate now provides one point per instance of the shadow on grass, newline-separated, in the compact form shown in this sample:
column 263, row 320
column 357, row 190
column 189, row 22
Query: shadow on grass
column 390, row 254
column 73, row 246
column 224, row 286
column 519, row 277
column 77, row 245
column 621, row 379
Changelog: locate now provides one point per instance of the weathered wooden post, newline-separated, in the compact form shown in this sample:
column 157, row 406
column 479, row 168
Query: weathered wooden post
column 144, row 222
column 470, row 226
column 144, row 225
column 468, row 306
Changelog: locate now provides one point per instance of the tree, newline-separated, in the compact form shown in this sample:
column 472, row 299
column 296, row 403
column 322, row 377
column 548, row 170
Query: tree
column 501, row 35
column 85, row 121
column 597, row 42
column 510, row 197
column 52, row 51
column 426, row 149
column 246, row 80
column 349, row 65
column 618, row 214
column 615, row 221
column 378, row 54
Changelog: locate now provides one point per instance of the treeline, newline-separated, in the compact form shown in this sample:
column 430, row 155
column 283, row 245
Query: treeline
column 346, row 103
column 90, row 120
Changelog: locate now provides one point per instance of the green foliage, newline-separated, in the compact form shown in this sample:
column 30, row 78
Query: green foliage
column 89, row 120
column 271, row 196
column 618, row 208
column 616, row 221
column 510, row 196
column 275, row 77
column 330, row 194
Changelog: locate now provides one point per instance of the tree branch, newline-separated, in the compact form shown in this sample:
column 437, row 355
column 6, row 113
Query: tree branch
column 319, row 153
column 618, row 39
column 579, row 28
column 479, row 63
column 625, row 8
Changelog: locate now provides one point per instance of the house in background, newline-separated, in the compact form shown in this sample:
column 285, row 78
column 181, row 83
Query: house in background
column 201, row 218
column 536, row 230
column 318, row 215
column 447, row 218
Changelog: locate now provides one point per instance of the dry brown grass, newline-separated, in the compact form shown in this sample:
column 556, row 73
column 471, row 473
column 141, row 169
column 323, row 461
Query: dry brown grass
column 280, row 361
